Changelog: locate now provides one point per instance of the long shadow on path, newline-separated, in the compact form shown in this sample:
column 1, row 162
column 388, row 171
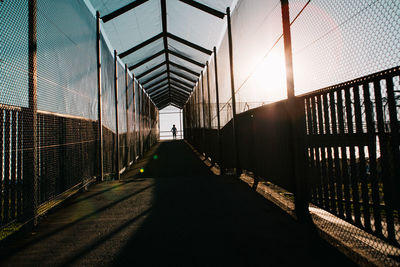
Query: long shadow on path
column 174, row 212
column 199, row 219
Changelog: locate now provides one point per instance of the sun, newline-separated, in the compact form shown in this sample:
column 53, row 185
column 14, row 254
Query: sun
column 268, row 81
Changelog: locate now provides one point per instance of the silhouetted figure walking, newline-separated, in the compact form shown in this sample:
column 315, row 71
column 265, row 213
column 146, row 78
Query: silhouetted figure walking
column 173, row 130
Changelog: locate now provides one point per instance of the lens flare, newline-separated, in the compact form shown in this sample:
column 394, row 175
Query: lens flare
column 141, row 170
column 155, row 157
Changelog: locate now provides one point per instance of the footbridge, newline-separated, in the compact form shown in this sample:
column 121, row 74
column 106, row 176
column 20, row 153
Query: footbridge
column 290, row 149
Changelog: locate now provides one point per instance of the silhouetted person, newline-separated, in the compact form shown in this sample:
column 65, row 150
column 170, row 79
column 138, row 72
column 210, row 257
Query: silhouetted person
column 173, row 130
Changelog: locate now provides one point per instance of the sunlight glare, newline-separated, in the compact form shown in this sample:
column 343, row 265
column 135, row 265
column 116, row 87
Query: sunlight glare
column 268, row 82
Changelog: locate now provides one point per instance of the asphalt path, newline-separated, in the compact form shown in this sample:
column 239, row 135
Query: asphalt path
column 169, row 209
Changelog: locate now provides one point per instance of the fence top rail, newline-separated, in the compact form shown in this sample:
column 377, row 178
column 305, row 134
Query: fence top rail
column 9, row 107
column 350, row 83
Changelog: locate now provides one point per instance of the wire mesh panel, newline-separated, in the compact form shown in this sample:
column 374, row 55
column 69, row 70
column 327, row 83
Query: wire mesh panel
column 14, row 91
column 66, row 100
column 354, row 153
column 122, row 119
column 258, row 55
column 352, row 134
column 108, row 102
column 49, row 120
column 337, row 41
column 346, row 56
column 131, row 119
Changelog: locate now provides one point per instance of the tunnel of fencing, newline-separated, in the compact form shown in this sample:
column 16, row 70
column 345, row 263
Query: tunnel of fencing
column 320, row 120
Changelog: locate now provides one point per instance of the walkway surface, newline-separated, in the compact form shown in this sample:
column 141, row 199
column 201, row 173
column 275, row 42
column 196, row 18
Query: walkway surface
column 175, row 213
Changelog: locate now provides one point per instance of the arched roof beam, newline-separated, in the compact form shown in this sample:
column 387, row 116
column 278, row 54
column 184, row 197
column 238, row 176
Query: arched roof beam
column 179, row 93
column 157, row 82
column 183, row 76
column 122, row 10
column 163, row 102
column 141, row 45
column 177, row 99
column 185, row 69
column 150, row 70
column 160, row 97
column 186, row 58
column 160, row 93
column 190, row 44
column 183, row 92
column 147, row 60
column 150, row 89
column 181, row 87
column 204, row 8
column 182, row 83
column 153, row 77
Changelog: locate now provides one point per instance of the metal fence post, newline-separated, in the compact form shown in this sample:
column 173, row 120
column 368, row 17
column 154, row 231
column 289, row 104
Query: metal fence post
column 209, row 97
column 116, row 114
column 296, row 114
column 234, row 118
column 127, row 142
column 217, row 109
column 134, row 119
column 180, row 121
column 99, row 99
column 30, row 142
column 203, row 132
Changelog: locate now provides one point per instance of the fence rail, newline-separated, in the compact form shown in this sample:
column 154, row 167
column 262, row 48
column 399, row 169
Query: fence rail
column 351, row 144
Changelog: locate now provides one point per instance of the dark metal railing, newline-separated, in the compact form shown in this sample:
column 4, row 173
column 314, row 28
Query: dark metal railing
column 351, row 149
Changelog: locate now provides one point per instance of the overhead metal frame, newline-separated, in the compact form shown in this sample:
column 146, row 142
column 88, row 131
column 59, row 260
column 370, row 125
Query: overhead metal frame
column 180, row 75
column 158, row 91
column 153, row 77
column 165, row 35
column 204, row 8
column 150, row 70
column 122, row 10
column 159, row 87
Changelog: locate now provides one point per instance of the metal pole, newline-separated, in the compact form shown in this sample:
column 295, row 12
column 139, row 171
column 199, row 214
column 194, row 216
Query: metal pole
column 198, row 126
column 99, row 99
column 140, row 120
column 116, row 113
column 148, row 123
column 30, row 174
column 134, row 120
column 128, row 139
column 234, row 119
column 287, row 42
column 184, row 118
column 217, row 109
column 297, row 121
column 180, row 122
column 204, row 114
column 209, row 97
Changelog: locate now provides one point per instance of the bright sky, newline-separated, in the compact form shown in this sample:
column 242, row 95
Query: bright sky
column 168, row 117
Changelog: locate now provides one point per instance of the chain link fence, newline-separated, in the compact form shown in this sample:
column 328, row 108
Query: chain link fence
column 334, row 149
column 52, row 140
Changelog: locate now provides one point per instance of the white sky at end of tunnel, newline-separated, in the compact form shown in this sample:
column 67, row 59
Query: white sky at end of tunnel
column 167, row 120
